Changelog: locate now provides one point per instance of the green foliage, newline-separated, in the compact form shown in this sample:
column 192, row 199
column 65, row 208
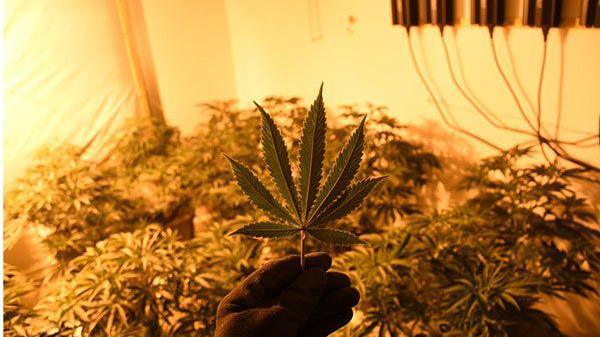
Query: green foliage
column 16, row 313
column 478, row 267
column 278, row 162
column 146, row 281
column 267, row 229
column 312, row 153
column 333, row 200
column 348, row 201
column 78, row 201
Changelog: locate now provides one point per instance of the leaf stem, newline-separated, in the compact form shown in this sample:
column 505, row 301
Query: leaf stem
column 302, row 239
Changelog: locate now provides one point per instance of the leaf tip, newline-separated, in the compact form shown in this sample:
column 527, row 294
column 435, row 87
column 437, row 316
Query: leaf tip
column 236, row 231
column 261, row 109
column 364, row 119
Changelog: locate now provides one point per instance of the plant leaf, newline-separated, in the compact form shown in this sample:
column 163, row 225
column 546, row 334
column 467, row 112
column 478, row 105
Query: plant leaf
column 335, row 236
column 312, row 153
column 256, row 191
column 508, row 298
column 343, row 171
column 277, row 160
column 348, row 201
column 266, row 229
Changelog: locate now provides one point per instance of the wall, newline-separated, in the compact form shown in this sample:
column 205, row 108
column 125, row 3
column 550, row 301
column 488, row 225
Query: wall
column 189, row 43
column 279, row 48
column 66, row 76
column 66, row 79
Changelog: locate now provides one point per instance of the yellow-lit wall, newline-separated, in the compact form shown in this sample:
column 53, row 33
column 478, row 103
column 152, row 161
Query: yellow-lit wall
column 66, row 75
column 189, row 43
column 279, row 48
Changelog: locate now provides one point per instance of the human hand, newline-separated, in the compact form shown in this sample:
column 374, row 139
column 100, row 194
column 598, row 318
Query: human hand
column 279, row 300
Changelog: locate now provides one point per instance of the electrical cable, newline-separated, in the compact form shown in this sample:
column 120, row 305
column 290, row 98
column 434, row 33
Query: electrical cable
column 509, row 86
column 559, row 150
column 540, row 87
column 514, row 72
column 481, row 111
column 435, row 89
column 542, row 141
column 466, row 87
column 435, row 101
column 470, row 99
column 519, row 105
column 561, row 76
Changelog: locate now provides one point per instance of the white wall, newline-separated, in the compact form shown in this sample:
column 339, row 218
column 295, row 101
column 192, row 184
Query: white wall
column 274, row 53
column 189, row 43
column 66, row 74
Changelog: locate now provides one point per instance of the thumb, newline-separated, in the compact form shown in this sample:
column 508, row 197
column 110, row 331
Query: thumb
column 303, row 295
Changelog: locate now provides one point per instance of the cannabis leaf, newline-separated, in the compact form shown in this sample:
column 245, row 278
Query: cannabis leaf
column 256, row 191
column 335, row 236
column 312, row 153
column 349, row 200
column 277, row 160
column 317, row 205
column 266, row 229
column 343, row 171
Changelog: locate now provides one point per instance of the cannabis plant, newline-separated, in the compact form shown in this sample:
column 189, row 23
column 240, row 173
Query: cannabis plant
column 78, row 201
column 17, row 315
column 307, row 212
column 482, row 267
column 145, row 283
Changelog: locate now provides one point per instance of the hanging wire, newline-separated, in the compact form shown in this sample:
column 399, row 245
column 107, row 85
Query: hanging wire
column 435, row 101
column 484, row 114
column 554, row 146
column 561, row 76
column 540, row 87
column 540, row 129
column 509, row 86
column 539, row 102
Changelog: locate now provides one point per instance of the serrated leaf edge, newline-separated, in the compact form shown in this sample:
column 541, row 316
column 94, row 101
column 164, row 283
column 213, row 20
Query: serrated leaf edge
column 366, row 186
column 277, row 210
column 311, row 231
column 324, row 200
column 280, row 171
column 293, row 230
column 308, row 193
